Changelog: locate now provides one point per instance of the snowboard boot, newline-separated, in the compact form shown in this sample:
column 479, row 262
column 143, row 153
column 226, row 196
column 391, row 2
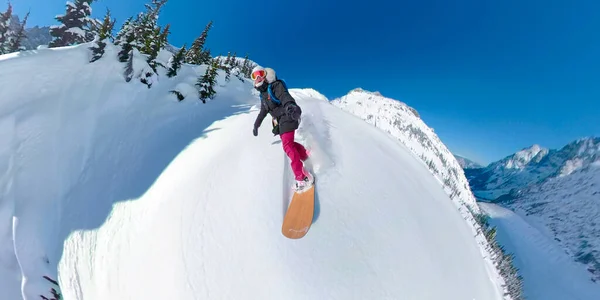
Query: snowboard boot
column 304, row 184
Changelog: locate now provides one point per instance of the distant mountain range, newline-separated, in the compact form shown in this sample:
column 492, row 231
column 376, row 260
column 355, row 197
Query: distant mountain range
column 466, row 163
column 558, row 190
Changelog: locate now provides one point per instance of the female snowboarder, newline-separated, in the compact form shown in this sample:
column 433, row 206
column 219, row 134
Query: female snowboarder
column 277, row 101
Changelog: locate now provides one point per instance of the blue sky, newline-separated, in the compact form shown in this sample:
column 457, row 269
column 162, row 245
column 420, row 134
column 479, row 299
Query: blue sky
column 491, row 77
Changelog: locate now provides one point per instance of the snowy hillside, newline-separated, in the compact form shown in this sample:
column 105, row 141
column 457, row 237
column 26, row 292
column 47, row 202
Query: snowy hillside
column 466, row 163
column 549, row 273
column 557, row 190
column 114, row 187
column 404, row 124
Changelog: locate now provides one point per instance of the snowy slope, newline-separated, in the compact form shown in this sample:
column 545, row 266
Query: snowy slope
column 548, row 272
column 556, row 190
column 122, row 188
column 404, row 123
column 567, row 209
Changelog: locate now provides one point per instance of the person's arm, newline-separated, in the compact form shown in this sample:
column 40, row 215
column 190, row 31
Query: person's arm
column 261, row 116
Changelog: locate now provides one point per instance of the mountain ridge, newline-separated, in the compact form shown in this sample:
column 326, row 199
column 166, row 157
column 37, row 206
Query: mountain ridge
column 403, row 123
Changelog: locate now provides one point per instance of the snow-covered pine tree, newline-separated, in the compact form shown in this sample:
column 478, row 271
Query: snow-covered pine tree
column 207, row 82
column 5, row 31
column 228, row 59
column 205, row 57
column 233, row 61
column 77, row 26
column 227, row 68
column 175, row 62
column 125, row 38
column 144, row 35
column 104, row 32
column 246, row 67
column 159, row 44
column 224, row 65
column 237, row 68
column 147, row 30
column 196, row 54
column 16, row 37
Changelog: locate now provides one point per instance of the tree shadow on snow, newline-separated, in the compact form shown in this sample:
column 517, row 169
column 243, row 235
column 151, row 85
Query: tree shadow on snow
column 117, row 175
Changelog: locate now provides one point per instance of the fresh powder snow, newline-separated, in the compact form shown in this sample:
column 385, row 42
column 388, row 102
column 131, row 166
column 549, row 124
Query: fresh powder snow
column 121, row 191
column 548, row 272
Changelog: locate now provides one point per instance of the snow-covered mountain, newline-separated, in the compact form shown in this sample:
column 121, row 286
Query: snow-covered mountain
column 112, row 187
column 556, row 189
column 404, row 124
column 466, row 163
column 531, row 166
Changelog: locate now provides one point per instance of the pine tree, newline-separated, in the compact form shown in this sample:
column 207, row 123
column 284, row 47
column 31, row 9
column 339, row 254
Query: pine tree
column 144, row 34
column 246, row 67
column 14, row 43
column 77, row 26
column 227, row 68
column 207, row 82
column 10, row 38
column 125, row 38
column 234, row 61
column 196, row 54
column 175, row 62
column 205, row 57
column 104, row 32
column 224, row 65
column 156, row 45
column 5, row 31
column 149, row 37
column 228, row 59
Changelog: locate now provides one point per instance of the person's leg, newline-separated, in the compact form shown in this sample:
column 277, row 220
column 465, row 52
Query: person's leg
column 287, row 140
column 301, row 151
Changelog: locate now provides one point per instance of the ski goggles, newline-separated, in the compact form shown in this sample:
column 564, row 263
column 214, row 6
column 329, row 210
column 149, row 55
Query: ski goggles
column 258, row 73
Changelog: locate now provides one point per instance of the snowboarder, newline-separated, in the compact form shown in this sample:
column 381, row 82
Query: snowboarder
column 277, row 101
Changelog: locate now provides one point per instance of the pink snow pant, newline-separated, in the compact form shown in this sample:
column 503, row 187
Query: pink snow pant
column 296, row 152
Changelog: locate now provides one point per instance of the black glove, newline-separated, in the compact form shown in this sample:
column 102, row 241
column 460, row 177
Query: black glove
column 293, row 111
column 255, row 131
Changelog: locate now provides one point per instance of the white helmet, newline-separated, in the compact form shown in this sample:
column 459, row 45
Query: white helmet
column 258, row 81
column 256, row 68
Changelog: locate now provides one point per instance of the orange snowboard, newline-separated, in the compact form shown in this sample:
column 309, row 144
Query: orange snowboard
column 299, row 215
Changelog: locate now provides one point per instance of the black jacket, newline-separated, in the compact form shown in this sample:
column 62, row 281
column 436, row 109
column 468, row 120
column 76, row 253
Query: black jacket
column 278, row 111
